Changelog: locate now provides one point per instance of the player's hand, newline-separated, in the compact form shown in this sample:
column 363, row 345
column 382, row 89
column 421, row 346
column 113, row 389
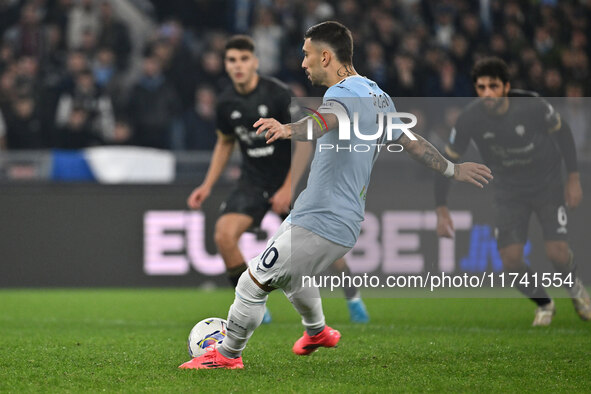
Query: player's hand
column 273, row 129
column 474, row 173
column 573, row 193
column 445, row 226
column 281, row 201
column 197, row 197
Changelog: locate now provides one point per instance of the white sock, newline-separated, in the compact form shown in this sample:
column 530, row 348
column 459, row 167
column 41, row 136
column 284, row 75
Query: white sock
column 309, row 305
column 246, row 314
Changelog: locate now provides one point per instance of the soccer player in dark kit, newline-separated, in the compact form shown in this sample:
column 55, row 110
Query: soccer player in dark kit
column 523, row 141
column 266, row 180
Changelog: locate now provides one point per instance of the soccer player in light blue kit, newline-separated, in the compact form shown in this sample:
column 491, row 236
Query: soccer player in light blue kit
column 326, row 219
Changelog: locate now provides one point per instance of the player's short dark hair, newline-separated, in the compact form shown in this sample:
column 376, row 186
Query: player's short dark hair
column 337, row 36
column 240, row 42
column 493, row 67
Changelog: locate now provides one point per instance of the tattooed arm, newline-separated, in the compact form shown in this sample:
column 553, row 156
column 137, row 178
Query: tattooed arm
column 422, row 151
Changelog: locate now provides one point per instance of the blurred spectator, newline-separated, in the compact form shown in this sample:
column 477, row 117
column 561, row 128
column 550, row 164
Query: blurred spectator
column 535, row 76
column 7, row 88
column 27, row 76
column 386, row 31
column 239, row 15
column 444, row 27
column 459, row 54
column 546, row 47
column 315, row 11
column 199, row 123
column 78, row 132
column 59, row 14
column 375, row 67
column 27, row 37
column 449, row 83
column 553, row 86
column 498, row 47
column 178, row 66
column 6, row 56
column 86, row 95
column 411, row 44
column 23, row 128
column 88, row 43
column 348, row 14
column 107, row 76
column 515, row 39
column 267, row 36
column 53, row 59
column 114, row 34
column 576, row 64
column 403, row 77
column 471, row 28
column 153, row 106
column 210, row 70
column 84, row 17
column 122, row 133
column 9, row 14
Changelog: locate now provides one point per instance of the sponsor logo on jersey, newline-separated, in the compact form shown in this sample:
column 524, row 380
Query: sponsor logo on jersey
column 235, row 115
column 261, row 152
column 263, row 110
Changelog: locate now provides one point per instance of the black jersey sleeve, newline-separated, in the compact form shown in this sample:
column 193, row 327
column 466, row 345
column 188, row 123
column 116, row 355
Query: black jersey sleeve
column 551, row 117
column 222, row 122
column 566, row 144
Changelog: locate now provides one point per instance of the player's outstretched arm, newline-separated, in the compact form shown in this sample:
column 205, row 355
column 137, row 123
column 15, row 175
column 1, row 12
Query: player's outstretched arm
column 422, row 151
column 221, row 154
column 302, row 130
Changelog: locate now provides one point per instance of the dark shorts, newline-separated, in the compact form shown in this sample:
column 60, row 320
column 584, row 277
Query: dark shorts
column 513, row 211
column 249, row 200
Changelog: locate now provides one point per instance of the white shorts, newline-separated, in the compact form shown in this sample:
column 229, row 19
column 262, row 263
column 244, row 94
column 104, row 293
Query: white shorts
column 292, row 253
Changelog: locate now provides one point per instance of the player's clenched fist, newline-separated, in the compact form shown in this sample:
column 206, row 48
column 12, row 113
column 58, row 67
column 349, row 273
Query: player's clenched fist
column 273, row 129
column 197, row 197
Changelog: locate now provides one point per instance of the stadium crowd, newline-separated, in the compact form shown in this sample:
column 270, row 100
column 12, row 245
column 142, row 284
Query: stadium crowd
column 72, row 76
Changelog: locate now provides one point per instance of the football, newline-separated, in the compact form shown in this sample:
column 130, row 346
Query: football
column 207, row 332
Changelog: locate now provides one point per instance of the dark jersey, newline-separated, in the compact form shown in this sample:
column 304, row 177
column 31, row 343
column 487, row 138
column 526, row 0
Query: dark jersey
column 262, row 165
column 517, row 145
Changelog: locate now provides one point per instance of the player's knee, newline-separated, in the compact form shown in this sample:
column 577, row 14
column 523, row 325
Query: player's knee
column 224, row 238
column 249, row 292
column 558, row 252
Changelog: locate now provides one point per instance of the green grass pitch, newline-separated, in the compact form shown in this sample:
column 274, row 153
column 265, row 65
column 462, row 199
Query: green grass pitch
column 127, row 340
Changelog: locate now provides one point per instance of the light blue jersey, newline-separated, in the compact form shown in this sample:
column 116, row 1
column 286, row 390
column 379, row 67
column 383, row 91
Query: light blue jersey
column 333, row 203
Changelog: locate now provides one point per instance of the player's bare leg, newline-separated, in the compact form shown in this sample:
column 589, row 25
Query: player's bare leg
column 228, row 230
column 563, row 260
column 512, row 258
column 357, row 311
